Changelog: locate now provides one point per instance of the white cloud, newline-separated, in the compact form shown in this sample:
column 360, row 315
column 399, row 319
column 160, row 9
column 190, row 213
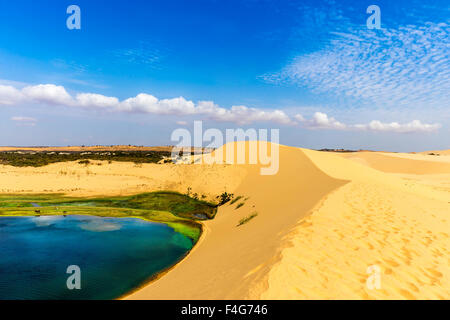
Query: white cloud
column 24, row 121
column 9, row 95
column 413, row 126
column 244, row 115
column 408, row 66
column 322, row 121
column 142, row 103
column 48, row 93
column 143, row 55
column 148, row 104
column 94, row 100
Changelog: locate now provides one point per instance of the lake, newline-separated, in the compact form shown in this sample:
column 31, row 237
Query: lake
column 115, row 255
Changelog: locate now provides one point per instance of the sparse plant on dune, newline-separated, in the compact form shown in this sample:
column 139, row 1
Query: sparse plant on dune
column 239, row 205
column 235, row 200
column 247, row 219
column 224, row 198
column 85, row 162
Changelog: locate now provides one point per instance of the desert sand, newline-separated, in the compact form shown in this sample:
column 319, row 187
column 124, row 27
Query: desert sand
column 321, row 221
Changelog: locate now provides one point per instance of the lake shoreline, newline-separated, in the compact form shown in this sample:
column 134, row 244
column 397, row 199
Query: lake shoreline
column 176, row 210
column 165, row 271
column 132, row 239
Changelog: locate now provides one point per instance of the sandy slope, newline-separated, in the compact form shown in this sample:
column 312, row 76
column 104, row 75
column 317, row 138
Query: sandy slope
column 399, row 225
column 322, row 221
column 376, row 219
column 233, row 262
column 440, row 152
column 119, row 178
column 402, row 162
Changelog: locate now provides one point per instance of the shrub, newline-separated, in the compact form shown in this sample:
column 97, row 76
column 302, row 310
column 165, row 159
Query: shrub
column 85, row 162
column 224, row 198
column 235, row 200
column 38, row 159
column 247, row 219
column 239, row 205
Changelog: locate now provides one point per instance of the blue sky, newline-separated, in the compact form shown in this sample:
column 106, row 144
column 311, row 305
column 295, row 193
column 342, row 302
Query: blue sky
column 137, row 70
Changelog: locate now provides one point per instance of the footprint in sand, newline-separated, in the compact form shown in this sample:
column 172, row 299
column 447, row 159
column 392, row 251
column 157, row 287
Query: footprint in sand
column 405, row 293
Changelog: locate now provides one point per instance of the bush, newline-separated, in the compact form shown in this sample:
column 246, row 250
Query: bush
column 85, row 162
column 235, row 200
column 38, row 159
column 247, row 219
column 224, row 198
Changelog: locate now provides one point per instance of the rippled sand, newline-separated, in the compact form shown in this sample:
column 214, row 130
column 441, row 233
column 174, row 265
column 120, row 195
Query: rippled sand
column 399, row 224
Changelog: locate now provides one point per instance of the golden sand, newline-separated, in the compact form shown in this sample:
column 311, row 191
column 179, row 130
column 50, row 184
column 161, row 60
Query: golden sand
column 119, row 178
column 401, row 226
column 322, row 220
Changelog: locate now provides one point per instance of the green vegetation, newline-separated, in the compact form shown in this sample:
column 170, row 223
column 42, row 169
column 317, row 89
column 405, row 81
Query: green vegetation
column 39, row 159
column 235, row 200
column 174, row 209
column 247, row 219
column 224, row 198
column 85, row 162
column 239, row 205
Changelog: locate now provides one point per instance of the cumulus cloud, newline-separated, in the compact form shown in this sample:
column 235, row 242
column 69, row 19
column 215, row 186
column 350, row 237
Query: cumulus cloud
column 142, row 103
column 9, row 95
column 147, row 103
column 48, row 93
column 94, row 100
column 51, row 94
column 322, row 121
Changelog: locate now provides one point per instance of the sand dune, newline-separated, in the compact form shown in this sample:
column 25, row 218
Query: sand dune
column 402, row 163
column 321, row 221
column 119, row 178
column 440, row 152
column 232, row 262
column 362, row 217
column 377, row 219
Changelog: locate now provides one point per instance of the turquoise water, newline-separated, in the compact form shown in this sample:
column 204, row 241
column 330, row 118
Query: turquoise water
column 115, row 255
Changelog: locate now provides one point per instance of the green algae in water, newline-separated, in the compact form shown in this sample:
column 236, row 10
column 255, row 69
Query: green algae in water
column 177, row 210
